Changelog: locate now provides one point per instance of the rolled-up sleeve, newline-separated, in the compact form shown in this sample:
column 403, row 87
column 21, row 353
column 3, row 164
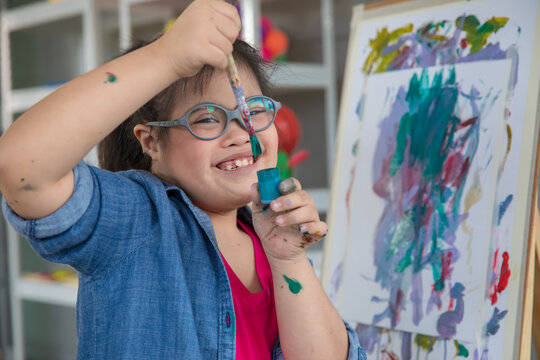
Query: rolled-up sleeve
column 356, row 352
column 63, row 218
column 107, row 216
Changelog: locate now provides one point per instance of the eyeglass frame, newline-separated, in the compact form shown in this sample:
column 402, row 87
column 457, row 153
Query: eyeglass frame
column 236, row 113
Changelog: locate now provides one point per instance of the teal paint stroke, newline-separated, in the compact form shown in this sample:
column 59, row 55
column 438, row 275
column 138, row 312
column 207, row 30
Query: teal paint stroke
column 294, row 285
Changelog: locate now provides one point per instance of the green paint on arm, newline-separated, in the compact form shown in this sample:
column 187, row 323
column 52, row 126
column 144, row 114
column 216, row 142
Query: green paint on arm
column 111, row 78
column 294, row 285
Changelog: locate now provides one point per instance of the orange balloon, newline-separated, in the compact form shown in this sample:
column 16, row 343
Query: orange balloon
column 276, row 42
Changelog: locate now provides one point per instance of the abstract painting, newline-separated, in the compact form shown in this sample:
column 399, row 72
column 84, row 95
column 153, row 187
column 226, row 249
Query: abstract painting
column 429, row 179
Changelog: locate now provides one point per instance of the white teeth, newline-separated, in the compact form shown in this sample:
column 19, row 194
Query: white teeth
column 238, row 164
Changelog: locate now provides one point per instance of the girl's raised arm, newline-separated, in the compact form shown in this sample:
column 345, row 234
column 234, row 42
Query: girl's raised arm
column 39, row 151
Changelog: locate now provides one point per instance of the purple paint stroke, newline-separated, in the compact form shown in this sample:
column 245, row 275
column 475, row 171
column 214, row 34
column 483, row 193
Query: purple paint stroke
column 448, row 321
column 406, row 344
column 416, row 298
column 335, row 280
column 368, row 337
column 493, row 324
column 484, row 355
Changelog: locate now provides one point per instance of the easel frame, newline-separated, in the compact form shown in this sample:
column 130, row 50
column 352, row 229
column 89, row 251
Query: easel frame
column 528, row 227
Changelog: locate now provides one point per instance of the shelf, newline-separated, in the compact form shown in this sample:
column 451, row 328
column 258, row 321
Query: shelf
column 300, row 76
column 47, row 292
column 23, row 99
column 27, row 16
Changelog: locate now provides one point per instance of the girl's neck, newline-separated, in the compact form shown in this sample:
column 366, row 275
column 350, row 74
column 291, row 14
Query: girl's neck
column 224, row 223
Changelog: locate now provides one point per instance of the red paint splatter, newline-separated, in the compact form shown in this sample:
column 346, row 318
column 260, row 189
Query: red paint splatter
column 463, row 172
column 400, row 58
column 451, row 303
column 395, row 308
column 505, row 273
column 466, row 123
column 502, row 276
column 446, row 271
column 381, row 186
column 388, row 355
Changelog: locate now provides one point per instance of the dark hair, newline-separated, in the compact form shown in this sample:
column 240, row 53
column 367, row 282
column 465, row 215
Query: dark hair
column 121, row 150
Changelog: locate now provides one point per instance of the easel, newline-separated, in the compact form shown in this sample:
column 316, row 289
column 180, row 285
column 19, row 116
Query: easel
column 535, row 234
column 531, row 304
column 529, row 326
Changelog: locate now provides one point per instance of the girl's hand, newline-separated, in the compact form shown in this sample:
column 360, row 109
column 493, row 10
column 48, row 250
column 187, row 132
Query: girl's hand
column 289, row 224
column 203, row 34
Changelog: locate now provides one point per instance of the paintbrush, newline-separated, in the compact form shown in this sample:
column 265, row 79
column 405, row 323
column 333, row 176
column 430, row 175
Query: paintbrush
column 269, row 179
column 234, row 79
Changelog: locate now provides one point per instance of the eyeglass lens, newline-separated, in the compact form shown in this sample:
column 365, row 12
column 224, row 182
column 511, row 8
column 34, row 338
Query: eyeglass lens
column 209, row 121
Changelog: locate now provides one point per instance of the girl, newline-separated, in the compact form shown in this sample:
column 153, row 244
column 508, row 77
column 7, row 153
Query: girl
column 171, row 263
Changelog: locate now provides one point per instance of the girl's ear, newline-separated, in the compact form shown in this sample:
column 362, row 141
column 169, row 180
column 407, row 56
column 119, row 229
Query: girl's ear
column 147, row 140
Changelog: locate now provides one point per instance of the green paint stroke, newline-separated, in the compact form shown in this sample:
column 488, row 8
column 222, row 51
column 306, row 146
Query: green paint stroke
column 255, row 146
column 477, row 34
column 428, row 104
column 461, row 350
column 425, row 342
column 294, row 285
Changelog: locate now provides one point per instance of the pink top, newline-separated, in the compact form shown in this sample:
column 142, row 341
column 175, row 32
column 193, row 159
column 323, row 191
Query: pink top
column 256, row 322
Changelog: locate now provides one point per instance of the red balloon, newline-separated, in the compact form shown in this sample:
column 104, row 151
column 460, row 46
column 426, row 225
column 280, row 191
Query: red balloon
column 288, row 129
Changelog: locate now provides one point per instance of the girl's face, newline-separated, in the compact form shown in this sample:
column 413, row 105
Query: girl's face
column 199, row 167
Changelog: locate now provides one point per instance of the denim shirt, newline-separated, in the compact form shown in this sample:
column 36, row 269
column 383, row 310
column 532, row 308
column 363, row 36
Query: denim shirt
column 152, row 284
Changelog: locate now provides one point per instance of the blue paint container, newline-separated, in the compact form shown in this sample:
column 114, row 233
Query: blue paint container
column 269, row 181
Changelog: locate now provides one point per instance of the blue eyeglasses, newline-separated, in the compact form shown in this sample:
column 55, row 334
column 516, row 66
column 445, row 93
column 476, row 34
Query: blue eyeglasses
column 210, row 121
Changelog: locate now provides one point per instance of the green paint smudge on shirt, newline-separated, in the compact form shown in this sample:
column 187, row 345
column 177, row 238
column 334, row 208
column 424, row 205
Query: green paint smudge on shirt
column 294, row 285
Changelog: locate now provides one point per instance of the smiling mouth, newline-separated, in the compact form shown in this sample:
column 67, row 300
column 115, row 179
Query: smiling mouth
column 236, row 163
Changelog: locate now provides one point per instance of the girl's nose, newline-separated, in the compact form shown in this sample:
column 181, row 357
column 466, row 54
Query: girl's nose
column 236, row 134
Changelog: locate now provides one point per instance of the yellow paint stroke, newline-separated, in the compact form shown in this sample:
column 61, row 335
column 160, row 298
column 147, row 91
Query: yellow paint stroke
column 508, row 146
column 425, row 342
column 437, row 37
column 383, row 39
column 474, row 195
